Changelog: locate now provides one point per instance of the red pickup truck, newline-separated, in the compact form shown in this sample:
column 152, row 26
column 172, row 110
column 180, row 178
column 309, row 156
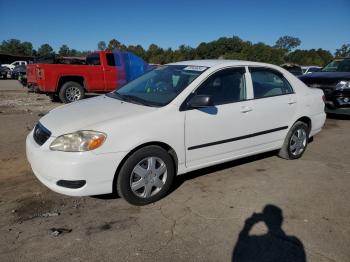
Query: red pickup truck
column 102, row 72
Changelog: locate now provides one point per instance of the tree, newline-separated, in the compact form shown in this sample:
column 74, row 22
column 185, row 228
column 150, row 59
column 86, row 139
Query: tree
column 318, row 57
column 27, row 48
column 45, row 50
column 64, row 51
column 16, row 47
column 343, row 51
column 115, row 44
column 287, row 42
column 101, row 45
column 137, row 50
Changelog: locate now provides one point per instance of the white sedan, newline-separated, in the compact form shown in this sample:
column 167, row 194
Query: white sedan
column 177, row 118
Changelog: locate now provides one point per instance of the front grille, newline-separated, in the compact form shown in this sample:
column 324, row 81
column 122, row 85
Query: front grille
column 41, row 134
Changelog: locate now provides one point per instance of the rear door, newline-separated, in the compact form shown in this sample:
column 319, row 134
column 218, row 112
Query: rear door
column 274, row 104
column 94, row 73
column 110, row 71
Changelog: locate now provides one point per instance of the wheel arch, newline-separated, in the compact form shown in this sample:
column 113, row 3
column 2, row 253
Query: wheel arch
column 306, row 120
column 71, row 78
column 163, row 145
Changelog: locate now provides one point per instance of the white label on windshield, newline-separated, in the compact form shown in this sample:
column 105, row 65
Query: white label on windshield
column 196, row 68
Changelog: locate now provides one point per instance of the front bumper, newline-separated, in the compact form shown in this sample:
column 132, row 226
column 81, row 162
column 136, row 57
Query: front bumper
column 49, row 167
column 336, row 98
column 338, row 111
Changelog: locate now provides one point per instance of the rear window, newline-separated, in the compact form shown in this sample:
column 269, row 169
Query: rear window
column 93, row 59
column 113, row 59
column 267, row 83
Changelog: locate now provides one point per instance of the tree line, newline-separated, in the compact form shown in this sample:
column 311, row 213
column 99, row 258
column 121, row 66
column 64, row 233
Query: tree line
column 284, row 51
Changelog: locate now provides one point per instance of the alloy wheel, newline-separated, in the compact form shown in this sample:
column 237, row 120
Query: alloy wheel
column 148, row 177
column 298, row 142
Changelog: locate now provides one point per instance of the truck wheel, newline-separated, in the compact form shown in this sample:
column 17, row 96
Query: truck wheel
column 70, row 92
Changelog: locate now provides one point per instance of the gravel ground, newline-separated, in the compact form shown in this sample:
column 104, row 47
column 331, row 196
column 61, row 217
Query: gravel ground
column 301, row 207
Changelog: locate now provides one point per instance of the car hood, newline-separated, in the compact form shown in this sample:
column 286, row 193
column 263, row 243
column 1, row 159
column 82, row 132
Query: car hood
column 84, row 114
column 325, row 77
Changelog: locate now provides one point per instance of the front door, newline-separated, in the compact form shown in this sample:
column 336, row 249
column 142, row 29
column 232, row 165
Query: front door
column 217, row 132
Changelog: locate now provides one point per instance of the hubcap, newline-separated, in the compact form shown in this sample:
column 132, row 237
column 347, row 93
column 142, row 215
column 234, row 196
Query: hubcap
column 298, row 142
column 148, row 177
column 73, row 93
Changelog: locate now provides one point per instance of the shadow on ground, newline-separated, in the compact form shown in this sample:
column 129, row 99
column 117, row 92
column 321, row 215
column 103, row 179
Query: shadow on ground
column 179, row 180
column 275, row 245
column 212, row 169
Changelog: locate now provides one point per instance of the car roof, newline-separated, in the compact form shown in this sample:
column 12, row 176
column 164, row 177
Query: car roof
column 218, row 62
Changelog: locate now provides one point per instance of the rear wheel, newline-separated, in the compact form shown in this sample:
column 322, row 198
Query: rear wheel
column 70, row 92
column 296, row 141
column 146, row 176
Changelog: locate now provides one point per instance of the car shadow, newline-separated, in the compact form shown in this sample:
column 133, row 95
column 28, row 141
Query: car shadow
column 275, row 245
column 179, row 180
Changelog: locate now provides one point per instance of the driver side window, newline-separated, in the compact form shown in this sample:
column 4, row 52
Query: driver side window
column 224, row 87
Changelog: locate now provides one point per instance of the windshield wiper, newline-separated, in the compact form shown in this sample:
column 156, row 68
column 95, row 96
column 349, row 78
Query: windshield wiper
column 130, row 98
column 138, row 100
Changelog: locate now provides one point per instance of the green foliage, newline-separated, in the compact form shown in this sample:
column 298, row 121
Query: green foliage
column 343, row 51
column 287, row 42
column 64, row 51
column 223, row 48
column 101, row 45
column 16, row 47
column 45, row 50
column 318, row 57
column 115, row 44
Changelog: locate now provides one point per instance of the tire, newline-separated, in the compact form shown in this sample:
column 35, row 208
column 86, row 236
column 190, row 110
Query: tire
column 71, row 92
column 151, row 184
column 296, row 141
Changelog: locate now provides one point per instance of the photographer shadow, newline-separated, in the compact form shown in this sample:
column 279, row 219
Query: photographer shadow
column 275, row 245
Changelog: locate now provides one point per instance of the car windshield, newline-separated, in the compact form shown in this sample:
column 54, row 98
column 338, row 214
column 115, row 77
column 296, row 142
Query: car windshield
column 338, row 65
column 159, row 86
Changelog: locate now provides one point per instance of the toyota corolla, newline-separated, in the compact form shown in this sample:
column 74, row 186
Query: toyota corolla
column 177, row 118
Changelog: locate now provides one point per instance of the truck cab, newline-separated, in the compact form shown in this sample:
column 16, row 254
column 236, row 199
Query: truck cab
column 102, row 72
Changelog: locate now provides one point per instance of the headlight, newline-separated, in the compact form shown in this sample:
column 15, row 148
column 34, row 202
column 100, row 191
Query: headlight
column 343, row 85
column 79, row 141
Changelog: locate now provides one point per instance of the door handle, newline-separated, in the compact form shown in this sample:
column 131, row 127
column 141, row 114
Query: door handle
column 246, row 109
column 291, row 102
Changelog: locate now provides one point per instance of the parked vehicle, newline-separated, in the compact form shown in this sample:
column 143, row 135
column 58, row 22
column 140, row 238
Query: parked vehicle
column 334, row 80
column 293, row 68
column 4, row 71
column 103, row 72
column 310, row 69
column 14, row 64
column 177, row 118
column 18, row 72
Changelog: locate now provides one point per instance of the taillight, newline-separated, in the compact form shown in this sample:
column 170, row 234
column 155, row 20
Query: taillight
column 40, row 74
column 323, row 98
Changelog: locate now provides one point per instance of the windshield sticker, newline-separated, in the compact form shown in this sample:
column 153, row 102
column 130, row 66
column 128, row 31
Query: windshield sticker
column 195, row 68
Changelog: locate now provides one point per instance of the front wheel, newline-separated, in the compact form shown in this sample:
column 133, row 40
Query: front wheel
column 296, row 141
column 70, row 92
column 146, row 176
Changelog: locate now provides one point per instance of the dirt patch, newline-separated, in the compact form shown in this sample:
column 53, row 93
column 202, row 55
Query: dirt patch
column 116, row 225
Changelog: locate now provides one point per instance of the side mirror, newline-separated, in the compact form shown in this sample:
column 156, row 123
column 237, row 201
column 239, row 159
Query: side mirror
column 200, row 101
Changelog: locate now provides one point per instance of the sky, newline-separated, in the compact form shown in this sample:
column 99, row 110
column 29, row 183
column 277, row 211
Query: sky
column 82, row 24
